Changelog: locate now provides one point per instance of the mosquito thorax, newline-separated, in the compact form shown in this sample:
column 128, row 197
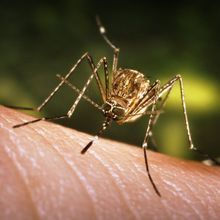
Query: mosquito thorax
column 113, row 110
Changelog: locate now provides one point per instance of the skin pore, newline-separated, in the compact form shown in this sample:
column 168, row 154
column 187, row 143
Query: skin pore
column 44, row 176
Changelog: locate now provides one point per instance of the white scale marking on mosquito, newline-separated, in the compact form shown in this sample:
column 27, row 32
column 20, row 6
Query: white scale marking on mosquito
column 102, row 30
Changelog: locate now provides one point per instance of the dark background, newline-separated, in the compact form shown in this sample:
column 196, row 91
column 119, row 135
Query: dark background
column 41, row 39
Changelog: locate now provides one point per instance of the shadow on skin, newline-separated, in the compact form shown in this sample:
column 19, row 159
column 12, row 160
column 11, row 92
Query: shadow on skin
column 44, row 176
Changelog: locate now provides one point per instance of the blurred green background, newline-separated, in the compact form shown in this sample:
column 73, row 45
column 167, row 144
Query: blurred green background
column 41, row 39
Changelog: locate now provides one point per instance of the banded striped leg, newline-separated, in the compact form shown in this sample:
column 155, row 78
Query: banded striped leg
column 74, row 88
column 158, row 111
column 107, row 121
column 70, row 112
column 72, row 109
column 168, row 86
column 104, row 61
column 91, row 63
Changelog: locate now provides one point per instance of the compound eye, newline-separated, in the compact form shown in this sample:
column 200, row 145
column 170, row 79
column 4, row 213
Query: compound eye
column 118, row 111
column 106, row 107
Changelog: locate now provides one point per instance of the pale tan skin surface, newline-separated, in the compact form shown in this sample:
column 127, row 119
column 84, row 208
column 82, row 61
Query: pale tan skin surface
column 44, row 176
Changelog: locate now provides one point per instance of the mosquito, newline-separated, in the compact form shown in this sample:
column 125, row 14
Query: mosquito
column 126, row 96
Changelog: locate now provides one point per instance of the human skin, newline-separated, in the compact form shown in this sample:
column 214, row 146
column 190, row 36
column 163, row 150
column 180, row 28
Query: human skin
column 44, row 176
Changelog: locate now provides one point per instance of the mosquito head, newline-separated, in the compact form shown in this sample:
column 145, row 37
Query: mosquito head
column 113, row 110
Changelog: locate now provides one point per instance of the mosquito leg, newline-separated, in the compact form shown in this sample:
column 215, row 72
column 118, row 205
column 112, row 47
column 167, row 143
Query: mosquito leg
column 81, row 94
column 106, row 77
column 148, row 173
column 167, row 87
column 145, row 144
column 91, row 63
column 149, row 127
column 40, row 119
column 84, row 56
column 161, row 106
column 61, row 83
column 154, row 113
column 72, row 109
column 58, row 87
column 69, row 113
column 156, row 117
column 105, row 65
column 74, row 88
column 95, row 72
